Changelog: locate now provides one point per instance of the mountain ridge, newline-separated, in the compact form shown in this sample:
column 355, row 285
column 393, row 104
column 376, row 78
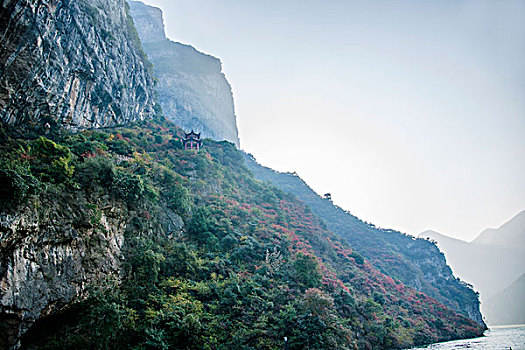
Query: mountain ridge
column 147, row 243
column 509, row 234
column 416, row 262
column 193, row 90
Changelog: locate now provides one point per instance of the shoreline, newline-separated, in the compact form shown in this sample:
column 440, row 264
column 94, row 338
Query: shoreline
column 490, row 338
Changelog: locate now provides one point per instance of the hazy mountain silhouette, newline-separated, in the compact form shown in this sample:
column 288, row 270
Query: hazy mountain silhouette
column 491, row 262
column 511, row 234
column 511, row 300
column 489, row 268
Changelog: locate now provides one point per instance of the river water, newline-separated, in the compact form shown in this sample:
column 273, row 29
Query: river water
column 496, row 338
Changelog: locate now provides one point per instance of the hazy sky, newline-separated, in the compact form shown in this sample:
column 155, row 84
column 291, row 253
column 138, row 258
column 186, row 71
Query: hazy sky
column 411, row 113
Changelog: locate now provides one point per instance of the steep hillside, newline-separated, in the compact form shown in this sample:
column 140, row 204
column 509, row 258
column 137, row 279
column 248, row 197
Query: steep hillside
column 73, row 64
column 511, row 301
column 193, row 91
column 417, row 263
column 128, row 241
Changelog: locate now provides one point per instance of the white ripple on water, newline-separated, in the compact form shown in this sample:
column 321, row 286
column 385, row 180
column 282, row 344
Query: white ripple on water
column 497, row 338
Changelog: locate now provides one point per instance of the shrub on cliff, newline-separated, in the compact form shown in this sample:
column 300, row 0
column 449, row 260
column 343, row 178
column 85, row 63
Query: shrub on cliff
column 307, row 271
column 95, row 171
column 50, row 161
column 17, row 184
column 128, row 186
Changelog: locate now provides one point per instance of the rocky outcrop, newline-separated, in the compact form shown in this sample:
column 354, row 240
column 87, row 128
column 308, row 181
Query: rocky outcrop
column 193, row 91
column 492, row 262
column 51, row 250
column 75, row 64
column 57, row 247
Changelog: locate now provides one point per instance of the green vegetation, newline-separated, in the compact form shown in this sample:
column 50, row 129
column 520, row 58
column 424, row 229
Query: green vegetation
column 415, row 262
column 251, row 265
column 50, row 162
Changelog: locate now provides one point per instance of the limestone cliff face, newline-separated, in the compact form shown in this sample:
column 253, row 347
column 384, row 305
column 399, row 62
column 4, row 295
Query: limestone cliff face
column 72, row 63
column 51, row 250
column 432, row 275
column 193, row 91
column 58, row 246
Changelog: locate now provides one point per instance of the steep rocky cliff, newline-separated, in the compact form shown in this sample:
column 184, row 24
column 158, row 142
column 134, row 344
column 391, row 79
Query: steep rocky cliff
column 59, row 246
column 49, row 255
column 66, row 221
column 193, row 90
column 75, row 64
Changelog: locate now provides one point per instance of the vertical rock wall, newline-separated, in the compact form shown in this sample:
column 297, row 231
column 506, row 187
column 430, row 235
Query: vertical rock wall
column 72, row 63
column 51, row 250
column 193, row 90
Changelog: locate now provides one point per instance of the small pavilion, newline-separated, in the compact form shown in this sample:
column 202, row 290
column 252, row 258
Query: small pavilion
column 192, row 140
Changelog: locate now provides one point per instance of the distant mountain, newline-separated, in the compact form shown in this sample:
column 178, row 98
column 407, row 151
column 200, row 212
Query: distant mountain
column 416, row 262
column 193, row 90
column 511, row 234
column 512, row 300
column 489, row 268
column 443, row 240
column 491, row 262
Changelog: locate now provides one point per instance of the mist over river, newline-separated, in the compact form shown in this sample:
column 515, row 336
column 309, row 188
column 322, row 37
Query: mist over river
column 496, row 338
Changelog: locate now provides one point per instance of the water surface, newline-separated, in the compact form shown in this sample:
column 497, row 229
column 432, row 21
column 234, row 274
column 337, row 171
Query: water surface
column 496, row 338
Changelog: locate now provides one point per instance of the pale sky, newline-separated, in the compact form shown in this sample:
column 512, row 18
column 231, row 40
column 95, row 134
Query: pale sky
column 410, row 113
